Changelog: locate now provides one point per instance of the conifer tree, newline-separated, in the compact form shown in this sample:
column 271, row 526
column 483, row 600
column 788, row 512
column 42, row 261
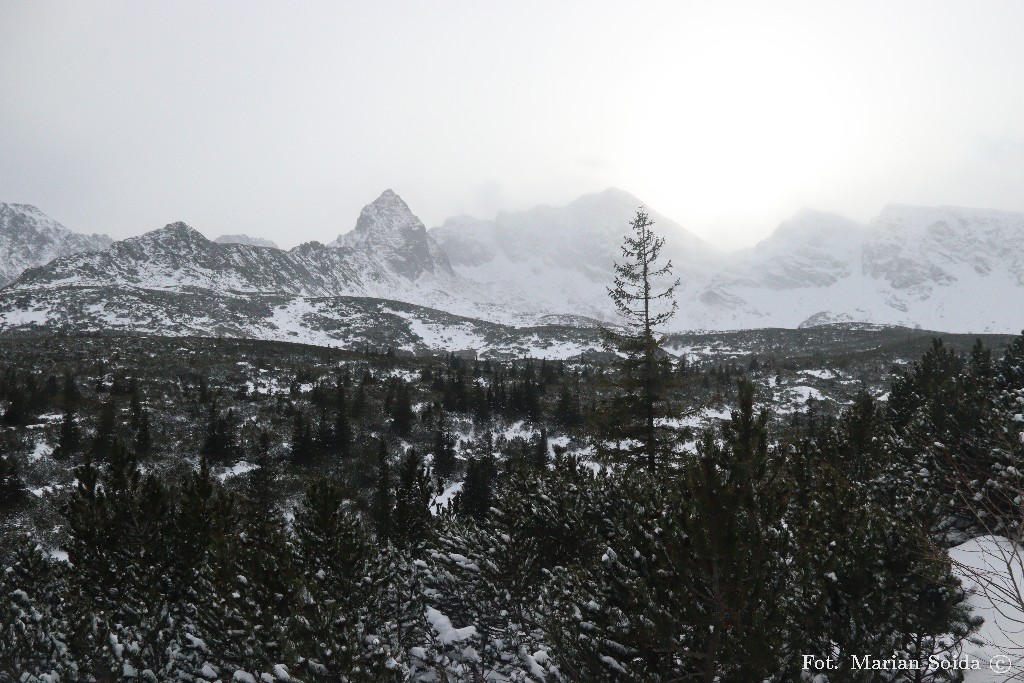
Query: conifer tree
column 221, row 444
column 244, row 606
column 341, row 432
column 33, row 626
column 135, row 409
column 412, row 501
column 71, row 393
column 302, row 444
column 644, row 308
column 540, row 450
column 329, row 632
column 444, row 454
column 19, row 407
column 738, row 544
column 12, row 489
column 104, row 437
column 383, row 495
column 477, row 495
column 70, row 443
column 125, row 610
column 401, row 409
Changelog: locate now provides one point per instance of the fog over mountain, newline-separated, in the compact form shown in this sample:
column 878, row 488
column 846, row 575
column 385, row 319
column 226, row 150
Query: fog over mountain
column 941, row 268
column 246, row 239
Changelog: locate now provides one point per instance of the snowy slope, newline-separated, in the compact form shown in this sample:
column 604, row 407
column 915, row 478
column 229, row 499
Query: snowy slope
column 341, row 321
column 561, row 258
column 388, row 255
column 942, row 268
column 945, row 269
column 29, row 238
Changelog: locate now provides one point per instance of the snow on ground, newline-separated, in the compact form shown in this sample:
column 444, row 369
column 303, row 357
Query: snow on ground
column 804, row 394
column 404, row 375
column 992, row 572
column 26, row 316
column 821, row 374
column 560, row 441
column 41, row 450
column 794, row 399
column 535, row 347
column 693, row 353
column 444, row 499
column 517, row 429
column 701, row 418
column 443, row 336
column 288, row 323
column 238, row 468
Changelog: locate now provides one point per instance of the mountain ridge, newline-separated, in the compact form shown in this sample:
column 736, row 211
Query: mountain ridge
column 942, row 268
column 29, row 239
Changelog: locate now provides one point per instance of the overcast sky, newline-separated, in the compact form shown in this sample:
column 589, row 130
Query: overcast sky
column 282, row 120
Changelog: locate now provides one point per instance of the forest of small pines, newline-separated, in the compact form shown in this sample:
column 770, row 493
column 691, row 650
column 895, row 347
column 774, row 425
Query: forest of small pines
column 230, row 510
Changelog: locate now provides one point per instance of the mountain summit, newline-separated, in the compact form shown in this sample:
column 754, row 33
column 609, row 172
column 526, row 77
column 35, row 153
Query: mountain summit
column 939, row 268
column 29, row 238
column 388, row 255
column 389, row 232
column 562, row 257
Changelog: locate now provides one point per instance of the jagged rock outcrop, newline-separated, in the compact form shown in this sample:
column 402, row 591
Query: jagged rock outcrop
column 29, row 238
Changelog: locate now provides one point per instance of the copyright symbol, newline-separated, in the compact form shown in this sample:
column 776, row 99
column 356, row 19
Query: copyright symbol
column 999, row 664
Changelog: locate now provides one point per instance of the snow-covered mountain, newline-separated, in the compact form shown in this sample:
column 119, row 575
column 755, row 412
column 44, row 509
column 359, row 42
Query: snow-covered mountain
column 246, row 239
column 942, row 268
column 178, row 257
column 338, row 321
column 947, row 269
column 29, row 238
column 390, row 235
column 561, row 257
column 387, row 256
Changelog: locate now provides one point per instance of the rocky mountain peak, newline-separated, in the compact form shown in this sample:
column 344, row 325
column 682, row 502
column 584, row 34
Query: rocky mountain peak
column 173, row 234
column 388, row 231
column 180, row 228
column 389, row 213
column 29, row 238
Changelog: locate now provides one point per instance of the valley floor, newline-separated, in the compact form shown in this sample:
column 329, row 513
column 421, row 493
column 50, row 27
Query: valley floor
column 228, row 509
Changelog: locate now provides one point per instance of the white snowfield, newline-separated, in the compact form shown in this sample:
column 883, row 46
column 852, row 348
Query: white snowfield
column 946, row 268
column 992, row 571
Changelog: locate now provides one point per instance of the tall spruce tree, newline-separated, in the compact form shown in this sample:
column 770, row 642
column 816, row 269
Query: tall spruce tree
column 644, row 306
